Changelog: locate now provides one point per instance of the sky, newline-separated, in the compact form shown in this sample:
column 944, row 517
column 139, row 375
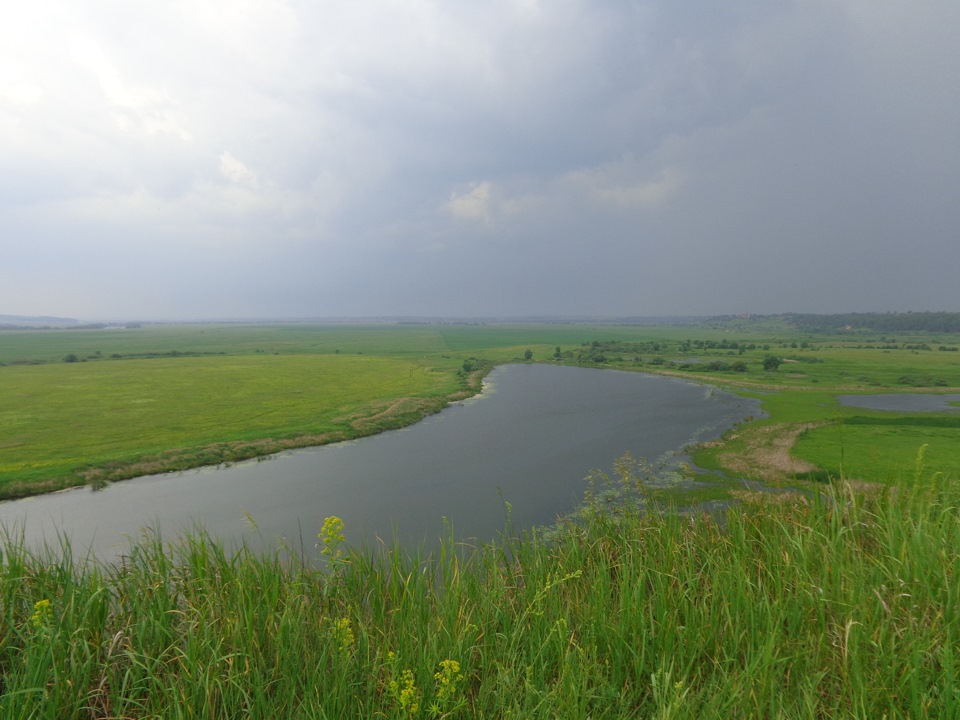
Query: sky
column 200, row 159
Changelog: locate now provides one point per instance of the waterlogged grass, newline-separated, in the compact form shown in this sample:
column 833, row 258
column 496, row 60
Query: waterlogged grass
column 840, row 605
column 57, row 419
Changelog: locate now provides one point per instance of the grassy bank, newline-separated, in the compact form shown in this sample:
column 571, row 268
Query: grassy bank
column 837, row 606
column 70, row 423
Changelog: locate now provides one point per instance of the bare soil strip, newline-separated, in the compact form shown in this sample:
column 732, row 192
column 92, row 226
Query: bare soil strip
column 766, row 452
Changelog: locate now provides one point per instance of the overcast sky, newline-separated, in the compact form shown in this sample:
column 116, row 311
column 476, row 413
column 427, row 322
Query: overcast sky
column 186, row 159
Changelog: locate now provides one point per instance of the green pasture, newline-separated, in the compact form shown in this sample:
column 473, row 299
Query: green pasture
column 57, row 418
column 25, row 346
column 843, row 367
column 885, row 449
column 567, row 336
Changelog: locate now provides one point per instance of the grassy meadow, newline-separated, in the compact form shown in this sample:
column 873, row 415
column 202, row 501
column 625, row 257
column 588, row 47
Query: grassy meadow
column 93, row 405
column 93, row 414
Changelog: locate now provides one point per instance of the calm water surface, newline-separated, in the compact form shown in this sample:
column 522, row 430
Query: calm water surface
column 529, row 439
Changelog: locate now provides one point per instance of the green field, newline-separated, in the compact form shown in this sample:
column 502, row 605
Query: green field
column 70, row 415
column 90, row 405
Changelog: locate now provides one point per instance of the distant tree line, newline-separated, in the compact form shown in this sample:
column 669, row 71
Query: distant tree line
column 600, row 351
column 882, row 322
column 942, row 322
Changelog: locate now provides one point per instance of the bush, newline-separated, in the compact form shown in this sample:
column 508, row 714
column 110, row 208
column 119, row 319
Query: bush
column 771, row 363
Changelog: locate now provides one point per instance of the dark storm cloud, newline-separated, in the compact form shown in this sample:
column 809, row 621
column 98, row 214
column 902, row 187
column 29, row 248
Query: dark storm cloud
column 283, row 158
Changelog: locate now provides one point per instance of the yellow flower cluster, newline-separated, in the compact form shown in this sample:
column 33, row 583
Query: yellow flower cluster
column 447, row 680
column 41, row 613
column 447, row 695
column 343, row 634
column 331, row 535
column 405, row 693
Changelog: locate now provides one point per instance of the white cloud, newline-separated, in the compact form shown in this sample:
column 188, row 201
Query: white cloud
column 135, row 107
column 15, row 88
column 236, row 172
column 643, row 195
column 472, row 203
column 625, row 185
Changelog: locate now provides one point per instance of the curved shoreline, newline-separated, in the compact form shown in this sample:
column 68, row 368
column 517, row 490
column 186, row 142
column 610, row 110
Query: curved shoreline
column 398, row 413
column 380, row 417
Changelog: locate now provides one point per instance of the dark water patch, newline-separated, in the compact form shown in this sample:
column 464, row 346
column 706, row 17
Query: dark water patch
column 529, row 440
column 901, row 402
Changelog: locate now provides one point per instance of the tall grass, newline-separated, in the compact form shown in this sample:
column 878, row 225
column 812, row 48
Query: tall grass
column 842, row 605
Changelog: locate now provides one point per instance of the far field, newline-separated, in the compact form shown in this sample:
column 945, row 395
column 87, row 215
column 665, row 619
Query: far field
column 91, row 405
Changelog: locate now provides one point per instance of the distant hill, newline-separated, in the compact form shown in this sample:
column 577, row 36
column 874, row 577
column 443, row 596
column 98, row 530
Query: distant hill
column 21, row 320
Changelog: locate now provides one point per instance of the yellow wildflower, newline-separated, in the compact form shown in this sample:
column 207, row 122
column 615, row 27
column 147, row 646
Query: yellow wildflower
column 447, row 680
column 405, row 693
column 41, row 613
column 343, row 634
column 331, row 535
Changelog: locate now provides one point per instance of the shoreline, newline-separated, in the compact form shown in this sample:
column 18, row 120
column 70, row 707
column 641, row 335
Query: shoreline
column 399, row 413
column 380, row 417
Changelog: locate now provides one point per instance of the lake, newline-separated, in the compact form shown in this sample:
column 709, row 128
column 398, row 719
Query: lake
column 529, row 440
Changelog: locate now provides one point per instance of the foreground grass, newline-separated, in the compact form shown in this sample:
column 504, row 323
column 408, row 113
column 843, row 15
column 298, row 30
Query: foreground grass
column 837, row 606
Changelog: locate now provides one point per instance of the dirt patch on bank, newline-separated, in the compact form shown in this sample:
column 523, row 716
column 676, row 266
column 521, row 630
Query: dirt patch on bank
column 385, row 415
column 766, row 452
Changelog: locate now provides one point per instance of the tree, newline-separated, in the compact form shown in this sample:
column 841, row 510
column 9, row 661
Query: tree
column 71, row 358
column 771, row 363
column 528, row 354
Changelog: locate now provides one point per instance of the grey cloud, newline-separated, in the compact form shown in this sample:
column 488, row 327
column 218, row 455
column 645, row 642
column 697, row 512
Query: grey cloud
column 287, row 158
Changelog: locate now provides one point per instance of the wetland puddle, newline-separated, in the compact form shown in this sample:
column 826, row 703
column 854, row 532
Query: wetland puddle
column 529, row 439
